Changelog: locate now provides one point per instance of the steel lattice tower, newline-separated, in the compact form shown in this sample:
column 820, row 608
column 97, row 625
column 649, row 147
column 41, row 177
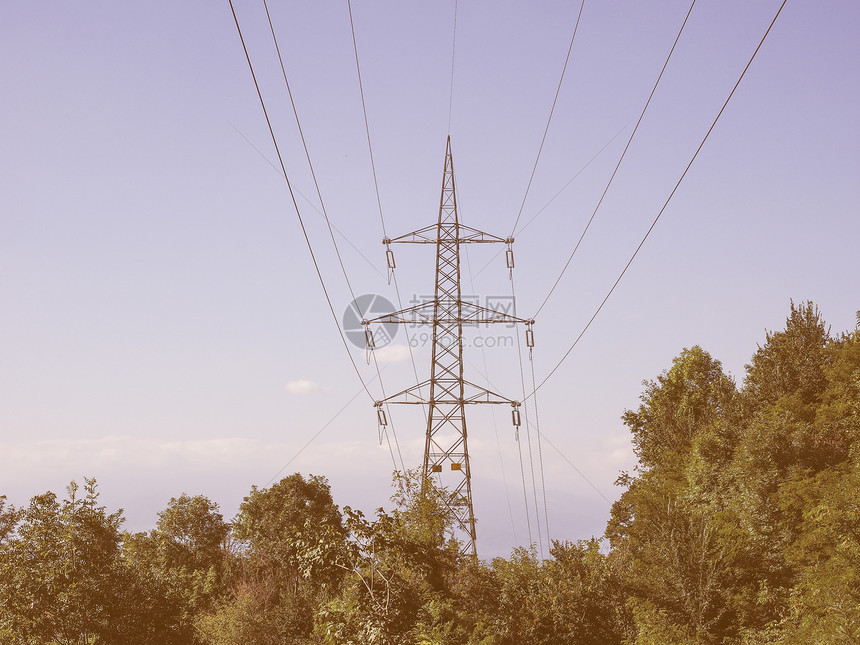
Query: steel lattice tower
column 447, row 392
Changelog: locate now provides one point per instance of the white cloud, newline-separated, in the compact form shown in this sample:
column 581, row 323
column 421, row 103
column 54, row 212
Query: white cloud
column 392, row 354
column 141, row 474
column 120, row 452
column 303, row 388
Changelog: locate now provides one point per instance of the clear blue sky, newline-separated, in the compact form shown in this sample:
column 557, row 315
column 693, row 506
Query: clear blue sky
column 162, row 328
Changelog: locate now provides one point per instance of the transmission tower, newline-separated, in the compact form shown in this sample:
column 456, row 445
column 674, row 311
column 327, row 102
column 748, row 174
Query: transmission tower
column 447, row 393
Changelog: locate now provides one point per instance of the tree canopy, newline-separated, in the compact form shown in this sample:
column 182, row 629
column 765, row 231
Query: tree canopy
column 740, row 525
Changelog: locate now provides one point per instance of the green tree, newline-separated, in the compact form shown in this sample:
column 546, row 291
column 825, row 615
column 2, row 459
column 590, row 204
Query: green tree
column 258, row 614
column 790, row 367
column 738, row 526
column 62, row 579
column 285, row 531
column 184, row 557
column 825, row 602
column 399, row 571
column 788, row 437
column 192, row 532
column 576, row 597
column 682, row 403
column 678, row 537
column 287, row 538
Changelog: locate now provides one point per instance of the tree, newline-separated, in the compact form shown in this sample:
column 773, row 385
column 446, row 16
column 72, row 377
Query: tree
column 282, row 529
column 790, row 367
column 286, row 540
column 739, row 525
column 252, row 616
column 825, row 603
column 192, row 532
column 8, row 520
column 678, row 537
column 682, row 403
column 399, row 570
column 184, row 557
column 62, row 580
column 789, row 435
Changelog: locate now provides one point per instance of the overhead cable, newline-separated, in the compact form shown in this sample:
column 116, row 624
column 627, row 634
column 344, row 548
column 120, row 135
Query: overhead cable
column 549, row 119
column 668, row 199
column 364, row 110
column 492, row 408
column 328, row 222
column 540, row 455
column 376, row 187
column 528, row 431
column 295, row 204
column 620, row 159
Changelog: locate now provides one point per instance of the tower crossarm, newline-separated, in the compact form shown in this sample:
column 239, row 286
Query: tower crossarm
column 428, row 313
column 419, row 394
column 431, row 235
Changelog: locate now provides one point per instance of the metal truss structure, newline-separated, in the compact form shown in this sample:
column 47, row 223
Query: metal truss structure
column 447, row 392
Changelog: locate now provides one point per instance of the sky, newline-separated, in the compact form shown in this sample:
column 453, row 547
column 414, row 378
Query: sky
column 163, row 329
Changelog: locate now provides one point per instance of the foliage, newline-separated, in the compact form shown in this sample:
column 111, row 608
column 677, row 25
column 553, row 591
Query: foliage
column 739, row 526
column 286, row 540
column 284, row 532
column 677, row 407
column 62, row 579
column 184, row 557
column 397, row 568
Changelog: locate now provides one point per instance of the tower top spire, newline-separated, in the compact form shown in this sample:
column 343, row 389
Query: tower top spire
column 448, row 206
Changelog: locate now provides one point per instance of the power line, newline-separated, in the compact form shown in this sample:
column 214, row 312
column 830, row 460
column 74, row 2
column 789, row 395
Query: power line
column 579, row 472
column 496, row 429
column 528, row 431
column 549, row 120
column 525, row 488
column 295, row 204
column 495, row 424
column 329, row 225
column 364, row 110
column 316, row 434
column 668, row 199
column 552, row 199
column 620, row 159
column 307, row 199
column 566, row 458
column 504, row 475
column 571, row 180
column 391, row 452
column 307, row 152
column 393, row 430
column 376, row 187
column 327, row 220
column 540, row 455
column 408, row 339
